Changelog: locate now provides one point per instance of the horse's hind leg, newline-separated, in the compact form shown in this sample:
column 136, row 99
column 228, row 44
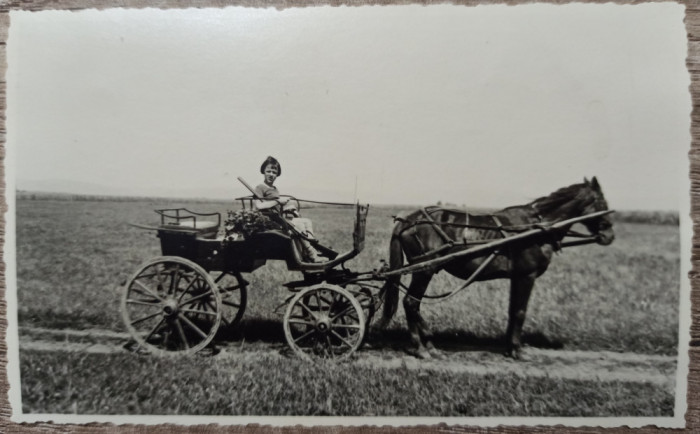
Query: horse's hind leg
column 520, row 289
column 417, row 327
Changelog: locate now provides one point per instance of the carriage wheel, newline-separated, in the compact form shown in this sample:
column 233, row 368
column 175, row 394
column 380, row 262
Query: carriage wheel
column 324, row 321
column 367, row 303
column 234, row 298
column 171, row 306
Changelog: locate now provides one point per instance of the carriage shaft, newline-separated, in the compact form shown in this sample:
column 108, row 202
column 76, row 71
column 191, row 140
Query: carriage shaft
column 478, row 250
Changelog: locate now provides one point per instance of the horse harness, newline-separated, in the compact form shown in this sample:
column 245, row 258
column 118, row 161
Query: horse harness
column 450, row 243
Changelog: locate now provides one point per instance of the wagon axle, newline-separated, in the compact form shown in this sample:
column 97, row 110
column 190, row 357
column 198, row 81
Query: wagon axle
column 323, row 324
column 170, row 307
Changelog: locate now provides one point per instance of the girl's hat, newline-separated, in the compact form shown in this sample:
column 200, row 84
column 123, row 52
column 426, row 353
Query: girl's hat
column 271, row 161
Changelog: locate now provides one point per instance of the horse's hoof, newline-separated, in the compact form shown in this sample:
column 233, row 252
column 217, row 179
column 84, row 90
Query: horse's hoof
column 512, row 353
column 434, row 352
column 515, row 354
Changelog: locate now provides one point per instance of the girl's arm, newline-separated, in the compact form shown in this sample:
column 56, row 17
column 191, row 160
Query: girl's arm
column 267, row 204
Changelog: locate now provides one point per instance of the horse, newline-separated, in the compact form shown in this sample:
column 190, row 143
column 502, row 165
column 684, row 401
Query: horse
column 433, row 232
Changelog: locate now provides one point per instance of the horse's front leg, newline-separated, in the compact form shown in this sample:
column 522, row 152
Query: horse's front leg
column 417, row 327
column 520, row 289
column 427, row 339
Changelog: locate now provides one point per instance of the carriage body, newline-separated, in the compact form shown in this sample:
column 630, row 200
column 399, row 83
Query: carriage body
column 244, row 255
column 199, row 238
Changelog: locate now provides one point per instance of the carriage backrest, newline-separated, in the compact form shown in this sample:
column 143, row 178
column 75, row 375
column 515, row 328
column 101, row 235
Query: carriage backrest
column 182, row 219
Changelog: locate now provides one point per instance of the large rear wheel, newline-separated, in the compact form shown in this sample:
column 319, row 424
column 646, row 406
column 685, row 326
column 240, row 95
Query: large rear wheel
column 171, row 306
column 324, row 322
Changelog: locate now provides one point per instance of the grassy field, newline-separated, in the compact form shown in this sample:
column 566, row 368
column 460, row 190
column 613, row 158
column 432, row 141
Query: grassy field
column 90, row 384
column 72, row 257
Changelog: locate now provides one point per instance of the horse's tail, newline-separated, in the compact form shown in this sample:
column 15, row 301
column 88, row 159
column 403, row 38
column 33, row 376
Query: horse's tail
column 391, row 287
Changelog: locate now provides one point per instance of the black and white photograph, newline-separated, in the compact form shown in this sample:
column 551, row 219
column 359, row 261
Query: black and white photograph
column 370, row 215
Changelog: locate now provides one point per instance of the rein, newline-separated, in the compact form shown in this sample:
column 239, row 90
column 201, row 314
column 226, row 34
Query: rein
column 300, row 200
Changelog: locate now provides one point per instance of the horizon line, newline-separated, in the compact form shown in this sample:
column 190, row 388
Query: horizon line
column 106, row 197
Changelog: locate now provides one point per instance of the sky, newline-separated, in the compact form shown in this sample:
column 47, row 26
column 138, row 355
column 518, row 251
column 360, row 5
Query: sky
column 486, row 106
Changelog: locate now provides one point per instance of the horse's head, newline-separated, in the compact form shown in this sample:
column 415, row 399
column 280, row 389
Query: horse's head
column 600, row 227
column 575, row 201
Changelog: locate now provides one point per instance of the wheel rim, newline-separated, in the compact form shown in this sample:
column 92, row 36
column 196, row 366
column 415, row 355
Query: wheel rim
column 324, row 322
column 366, row 300
column 234, row 298
column 171, row 306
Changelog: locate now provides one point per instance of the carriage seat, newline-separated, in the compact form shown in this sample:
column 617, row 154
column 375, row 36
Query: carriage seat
column 203, row 228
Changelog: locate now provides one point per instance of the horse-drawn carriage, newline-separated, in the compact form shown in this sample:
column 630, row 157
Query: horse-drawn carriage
column 176, row 303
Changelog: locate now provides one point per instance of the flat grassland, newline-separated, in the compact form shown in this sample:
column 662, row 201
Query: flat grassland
column 72, row 257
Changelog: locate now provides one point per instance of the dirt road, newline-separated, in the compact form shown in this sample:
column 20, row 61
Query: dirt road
column 540, row 363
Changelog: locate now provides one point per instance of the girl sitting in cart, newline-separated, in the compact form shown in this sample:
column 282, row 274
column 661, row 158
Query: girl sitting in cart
column 272, row 202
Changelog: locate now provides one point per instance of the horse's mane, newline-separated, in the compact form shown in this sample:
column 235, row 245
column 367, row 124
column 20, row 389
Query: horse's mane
column 564, row 201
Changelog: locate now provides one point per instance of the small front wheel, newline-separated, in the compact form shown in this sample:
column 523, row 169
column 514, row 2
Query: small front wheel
column 171, row 306
column 324, row 321
column 364, row 296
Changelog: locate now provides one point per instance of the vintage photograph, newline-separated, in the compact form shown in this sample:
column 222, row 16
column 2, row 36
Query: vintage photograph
column 351, row 215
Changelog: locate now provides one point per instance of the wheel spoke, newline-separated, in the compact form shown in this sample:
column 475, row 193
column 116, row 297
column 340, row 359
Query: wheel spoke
column 149, row 275
column 195, row 298
column 329, row 346
column 159, row 276
column 175, row 276
column 232, row 289
column 347, row 310
column 187, row 279
column 154, row 329
column 184, row 291
column 301, row 321
column 226, row 322
column 198, row 312
column 346, row 326
column 303, row 306
column 230, row 303
column 142, row 293
column 146, row 318
column 166, row 338
column 181, row 332
column 330, row 303
column 192, row 325
column 304, row 336
column 341, row 338
column 143, row 302
column 221, row 276
column 318, row 300
column 148, row 290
